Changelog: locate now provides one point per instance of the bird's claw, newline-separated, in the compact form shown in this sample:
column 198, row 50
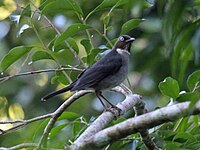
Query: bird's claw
column 117, row 108
column 113, row 110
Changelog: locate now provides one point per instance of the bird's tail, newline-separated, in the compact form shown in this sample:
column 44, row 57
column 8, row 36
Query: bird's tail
column 52, row 94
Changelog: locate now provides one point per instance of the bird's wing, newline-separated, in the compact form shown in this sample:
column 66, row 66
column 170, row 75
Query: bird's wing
column 108, row 65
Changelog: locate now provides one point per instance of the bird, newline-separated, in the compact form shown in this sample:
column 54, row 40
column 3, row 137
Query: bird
column 107, row 73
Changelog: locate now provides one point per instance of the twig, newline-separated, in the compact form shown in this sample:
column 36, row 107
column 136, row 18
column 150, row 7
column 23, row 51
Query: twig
column 20, row 146
column 56, row 114
column 11, row 122
column 24, row 8
column 133, row 125
column 3, row 79
column 129, row 139
column 23, row 123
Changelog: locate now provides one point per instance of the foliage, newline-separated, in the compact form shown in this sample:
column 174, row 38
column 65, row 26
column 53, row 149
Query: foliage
column 165, row 57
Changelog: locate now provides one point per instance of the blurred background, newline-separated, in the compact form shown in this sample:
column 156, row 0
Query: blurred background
column 167, row 44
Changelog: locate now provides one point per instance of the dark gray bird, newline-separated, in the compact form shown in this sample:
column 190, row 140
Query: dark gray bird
column 106, row 73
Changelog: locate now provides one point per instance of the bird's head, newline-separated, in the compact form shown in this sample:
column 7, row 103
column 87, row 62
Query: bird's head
column 124, row 42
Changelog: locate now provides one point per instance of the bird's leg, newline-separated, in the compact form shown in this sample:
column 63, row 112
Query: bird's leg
column 98, row 96
column 112, row 106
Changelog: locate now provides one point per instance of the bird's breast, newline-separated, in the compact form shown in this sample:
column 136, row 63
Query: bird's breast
column 114, row 80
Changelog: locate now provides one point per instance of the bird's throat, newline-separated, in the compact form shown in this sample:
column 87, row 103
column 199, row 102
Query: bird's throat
column 122, row 51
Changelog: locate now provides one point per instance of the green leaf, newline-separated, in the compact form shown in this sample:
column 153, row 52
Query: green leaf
column 197, row 3
column 60, row 77
column 26, row 11
column 105, row 4
column 193, row 97
column 182, row 43
column 167, row 135
column 106, row 20
column 40, row 129
column 91, row 57
column 70, row 31
column 53, row 7
column 172, row 21
column 45, row 3
column 172, row 145
column 82, row 129
column 69, row 116
column 54, row 79
column 76, row 127
column 183, row 137
column 109, row 28
column 193, row 80
column 119, row 3
column 84, row 59
column 193, row 145
column 13, row 55
column 121, row 119
column 76, row 7
column 181, row 125
column 63, row 45
column 65, row 57
column 184, row 60
column 87, row 45
column 40, row 55
column 131, row 24
column 57, row 129
column 73, row 44
column 196, row 120
column 169, row 87
column 110, row 3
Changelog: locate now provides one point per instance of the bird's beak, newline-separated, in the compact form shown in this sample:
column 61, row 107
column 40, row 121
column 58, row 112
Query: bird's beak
column 130, row 40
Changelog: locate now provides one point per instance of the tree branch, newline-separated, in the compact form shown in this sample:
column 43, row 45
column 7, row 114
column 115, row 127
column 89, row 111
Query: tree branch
column 144, row 134
column 56, row 114
column 3, row 79
column 20, row 146
column 130, row 101
column 22, row 123
column 145, row 121
column 104, row 119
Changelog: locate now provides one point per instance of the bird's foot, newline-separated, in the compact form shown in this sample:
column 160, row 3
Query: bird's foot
column 117, row 108
column 114, row 110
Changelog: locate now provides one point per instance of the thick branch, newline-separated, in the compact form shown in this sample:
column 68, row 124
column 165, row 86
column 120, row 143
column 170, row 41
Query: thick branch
column 144, row 134
column 130, row 102
column 105, row 118
column 133, row 125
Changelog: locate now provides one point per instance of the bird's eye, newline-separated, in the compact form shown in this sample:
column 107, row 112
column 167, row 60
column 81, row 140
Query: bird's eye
column 121, row 38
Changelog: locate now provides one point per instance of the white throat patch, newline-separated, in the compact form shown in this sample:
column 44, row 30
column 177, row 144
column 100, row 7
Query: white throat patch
column 121, row 51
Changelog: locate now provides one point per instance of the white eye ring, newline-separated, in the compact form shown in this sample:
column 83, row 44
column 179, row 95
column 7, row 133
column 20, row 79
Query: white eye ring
column 121, row 38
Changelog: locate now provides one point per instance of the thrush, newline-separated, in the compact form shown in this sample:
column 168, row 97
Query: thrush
column 107, row 73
